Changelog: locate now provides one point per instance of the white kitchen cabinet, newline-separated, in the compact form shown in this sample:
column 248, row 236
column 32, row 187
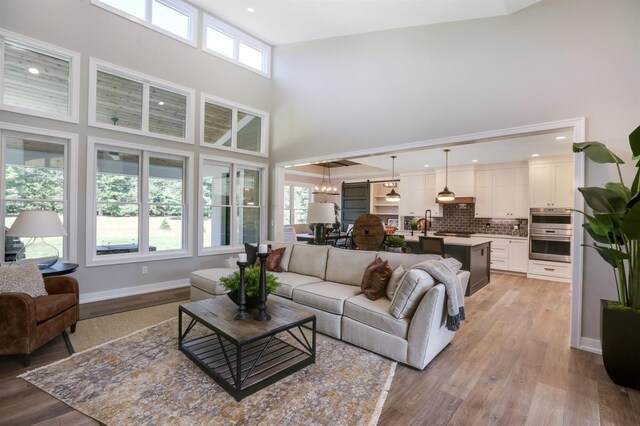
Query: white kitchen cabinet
column 550, row 271
column 484, row 193
column 413, row 196
column 551, row 184
column 431, row 193
column 509, row 254
column 502, row 193
column 461, row 182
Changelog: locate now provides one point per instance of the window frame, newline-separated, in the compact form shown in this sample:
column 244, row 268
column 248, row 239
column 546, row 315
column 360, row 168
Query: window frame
column 235, row 246
column 143, row 254
column 235, row 108
column 96, row 65
column 238, row 36
column 180, row 6
column 70, row 198
column 293, row 209
column 73, row 115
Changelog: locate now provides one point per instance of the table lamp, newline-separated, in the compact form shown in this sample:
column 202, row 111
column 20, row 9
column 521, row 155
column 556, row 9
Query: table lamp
column 37, row 224
column 320, row 214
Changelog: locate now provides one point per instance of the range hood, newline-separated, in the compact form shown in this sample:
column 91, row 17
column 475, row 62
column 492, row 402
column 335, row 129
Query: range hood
column 459, row 200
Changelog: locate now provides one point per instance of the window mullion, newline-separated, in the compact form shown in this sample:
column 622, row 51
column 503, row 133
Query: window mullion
column 143, row 204
column 234, row 210
column 145, row 106
column 234, row 128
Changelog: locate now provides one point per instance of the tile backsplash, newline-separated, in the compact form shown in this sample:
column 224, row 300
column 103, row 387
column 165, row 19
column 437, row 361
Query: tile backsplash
column 461, row 218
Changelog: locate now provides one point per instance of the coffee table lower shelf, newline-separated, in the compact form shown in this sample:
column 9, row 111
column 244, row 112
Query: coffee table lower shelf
column 245, row 369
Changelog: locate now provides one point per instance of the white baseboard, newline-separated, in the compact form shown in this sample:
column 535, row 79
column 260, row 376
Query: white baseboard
column 132, row 291
column 590, row 345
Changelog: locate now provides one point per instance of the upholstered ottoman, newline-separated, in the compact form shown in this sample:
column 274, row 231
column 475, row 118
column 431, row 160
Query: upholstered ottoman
column 206, row 283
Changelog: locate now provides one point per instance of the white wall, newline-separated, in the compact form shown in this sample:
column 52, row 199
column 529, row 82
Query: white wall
column 555, row 60
column 92, row 31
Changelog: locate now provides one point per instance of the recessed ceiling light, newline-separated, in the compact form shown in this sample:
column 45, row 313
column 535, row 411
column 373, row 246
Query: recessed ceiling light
column 34, row 71
column 535, row 155
column 474, row 161
column 559, row 138
column 426, row 165
column 160, row 103
column 250, row 9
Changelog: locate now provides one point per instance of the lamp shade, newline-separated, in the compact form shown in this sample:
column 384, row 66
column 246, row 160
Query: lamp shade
column 320, row 213
column 37, row 223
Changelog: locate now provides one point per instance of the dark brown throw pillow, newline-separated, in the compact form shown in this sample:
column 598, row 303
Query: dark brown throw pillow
column 375, row 279
column 273, row 259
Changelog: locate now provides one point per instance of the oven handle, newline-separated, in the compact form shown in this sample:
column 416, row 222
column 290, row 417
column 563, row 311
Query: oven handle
column 550, row 238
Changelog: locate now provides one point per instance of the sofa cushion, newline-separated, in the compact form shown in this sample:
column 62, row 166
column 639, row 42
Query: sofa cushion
column 290, row 280
column 394, row 281
column 209, row 279
column 348, row 267
column 309, row 260
column 375, row 313
column 50, row 306
column 407, row 260
column 22, row 279
column 327, row 296
column 376, row 278
column 413, row 287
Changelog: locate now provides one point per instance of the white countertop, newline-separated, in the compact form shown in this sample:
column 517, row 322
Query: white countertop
column 454, row 241
column 407, row 235
column 510, row 237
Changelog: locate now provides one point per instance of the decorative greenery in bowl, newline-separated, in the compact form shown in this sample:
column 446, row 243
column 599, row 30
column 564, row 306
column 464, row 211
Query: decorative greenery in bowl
column 414, row 225
column 251, row 282
column 395, row 241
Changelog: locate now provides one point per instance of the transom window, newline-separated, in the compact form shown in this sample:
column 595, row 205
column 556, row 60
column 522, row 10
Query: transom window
column 233, row 45
column 231, row 204
column 228, row 125
column 130, row 102
column 35, row 176
column 296, row 201
column 174, row 18
column 141, row 198
column 37, row 78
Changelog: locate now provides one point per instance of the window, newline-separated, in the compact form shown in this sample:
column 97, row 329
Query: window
column 141, row 197
column 37, row 78
column 231, row 204
column 35, row 175
column 233, row 45
column 296, row 201
column 228, row 125
column 174, row 18
column 117, row 102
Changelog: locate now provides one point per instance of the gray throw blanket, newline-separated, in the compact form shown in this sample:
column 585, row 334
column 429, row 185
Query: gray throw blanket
column 444, row 271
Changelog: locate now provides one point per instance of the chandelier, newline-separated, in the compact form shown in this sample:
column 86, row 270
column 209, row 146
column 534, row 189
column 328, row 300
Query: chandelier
column 326, row 187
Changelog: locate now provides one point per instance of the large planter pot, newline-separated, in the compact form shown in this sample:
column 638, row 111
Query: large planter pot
column 251, row 301
column 394, row 249
column 620, row 336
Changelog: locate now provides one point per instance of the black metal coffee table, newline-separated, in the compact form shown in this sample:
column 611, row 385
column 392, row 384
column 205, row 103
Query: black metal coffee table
column 244, row 356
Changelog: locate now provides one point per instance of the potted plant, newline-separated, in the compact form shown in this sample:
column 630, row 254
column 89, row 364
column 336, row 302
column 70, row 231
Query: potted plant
column 614, row 226
column 394, row 243
column 251, row 285
column 413, row 224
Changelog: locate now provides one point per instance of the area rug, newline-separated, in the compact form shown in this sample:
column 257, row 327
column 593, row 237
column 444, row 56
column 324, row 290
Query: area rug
column 95, row 331
column 144, row 379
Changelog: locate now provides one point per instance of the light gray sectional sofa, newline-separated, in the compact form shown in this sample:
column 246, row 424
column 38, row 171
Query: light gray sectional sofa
column 326, row 282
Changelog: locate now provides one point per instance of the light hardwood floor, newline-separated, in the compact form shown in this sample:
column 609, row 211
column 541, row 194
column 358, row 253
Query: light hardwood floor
column 510, row 364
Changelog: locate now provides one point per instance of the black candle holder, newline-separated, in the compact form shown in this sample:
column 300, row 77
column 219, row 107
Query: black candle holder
column 262, row 314
column 242, row 298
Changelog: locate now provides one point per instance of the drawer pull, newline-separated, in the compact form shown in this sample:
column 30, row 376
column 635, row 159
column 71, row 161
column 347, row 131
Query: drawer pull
column 549, row 269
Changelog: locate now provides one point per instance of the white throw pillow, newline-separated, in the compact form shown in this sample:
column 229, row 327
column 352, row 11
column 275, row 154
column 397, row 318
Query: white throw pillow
column 22, row 279
column 394, row 281
column 409, row 294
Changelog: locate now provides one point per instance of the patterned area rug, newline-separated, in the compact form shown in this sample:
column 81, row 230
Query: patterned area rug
column 144, row 379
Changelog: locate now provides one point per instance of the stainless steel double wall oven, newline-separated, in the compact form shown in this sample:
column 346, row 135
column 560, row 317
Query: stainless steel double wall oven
column 550, row 234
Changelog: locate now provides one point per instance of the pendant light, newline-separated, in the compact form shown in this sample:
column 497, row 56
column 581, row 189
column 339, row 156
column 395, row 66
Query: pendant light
column 393, row 196
column 445, row 194
column 326, row 188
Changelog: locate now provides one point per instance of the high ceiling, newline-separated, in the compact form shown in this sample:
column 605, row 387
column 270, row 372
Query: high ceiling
column 291, row 21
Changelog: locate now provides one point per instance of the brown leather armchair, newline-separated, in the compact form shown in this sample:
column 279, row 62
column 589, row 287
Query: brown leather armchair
column 26, row 323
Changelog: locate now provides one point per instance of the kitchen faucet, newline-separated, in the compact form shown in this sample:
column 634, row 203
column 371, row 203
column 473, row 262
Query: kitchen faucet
column 426, row 221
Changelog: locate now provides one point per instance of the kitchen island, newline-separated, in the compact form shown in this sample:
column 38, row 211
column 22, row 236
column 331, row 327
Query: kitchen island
column 474, row 253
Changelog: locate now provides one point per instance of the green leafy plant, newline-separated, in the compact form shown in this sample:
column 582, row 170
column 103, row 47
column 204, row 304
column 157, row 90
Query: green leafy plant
column 413, row 224
column 251, row 281
column 614, row 223
column 395, row 241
